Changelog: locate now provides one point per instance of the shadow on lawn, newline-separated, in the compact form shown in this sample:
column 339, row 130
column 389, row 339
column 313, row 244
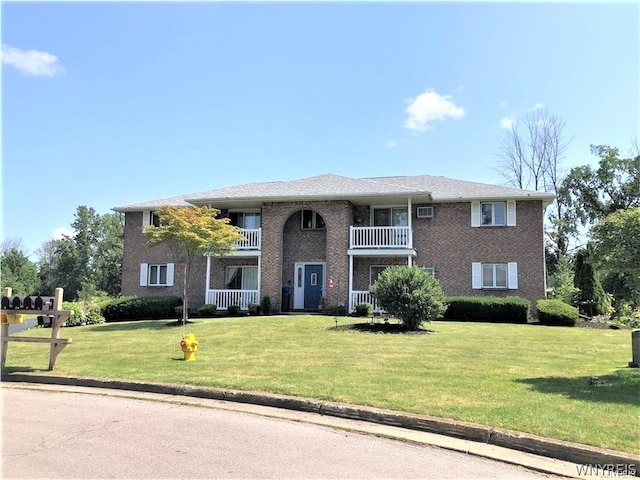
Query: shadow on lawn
column 621, row 387
column 135, row 325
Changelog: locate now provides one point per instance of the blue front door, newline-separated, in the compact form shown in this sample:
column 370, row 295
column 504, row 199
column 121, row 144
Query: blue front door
column 313, row 282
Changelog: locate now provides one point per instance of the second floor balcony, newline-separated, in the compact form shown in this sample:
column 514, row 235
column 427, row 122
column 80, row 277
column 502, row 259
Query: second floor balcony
column 252, row 239
column 380, row 237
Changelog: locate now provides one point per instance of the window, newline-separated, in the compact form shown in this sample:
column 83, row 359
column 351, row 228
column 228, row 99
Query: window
column 430, row 270
column 241, row 278
column 493, row 214
column 249, row 220
column 390, row 217
column 312, row 220
column 374, row 271
column 494, row 275
column 150, row 218
column 156, row 275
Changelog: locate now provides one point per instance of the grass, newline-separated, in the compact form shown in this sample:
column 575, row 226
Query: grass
column 527, row 378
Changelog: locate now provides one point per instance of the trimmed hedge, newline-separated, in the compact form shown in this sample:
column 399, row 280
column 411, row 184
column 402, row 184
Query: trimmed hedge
column 556, row 312
column 364, row 310
column 142, row 308
column 208, row 310
column 82, row 315
column 487, row 309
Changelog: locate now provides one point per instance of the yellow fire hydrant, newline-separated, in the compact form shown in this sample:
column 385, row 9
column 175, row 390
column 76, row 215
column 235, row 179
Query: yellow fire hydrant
column 189, row 346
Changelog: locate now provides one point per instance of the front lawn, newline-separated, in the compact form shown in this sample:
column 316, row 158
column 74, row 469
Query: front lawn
column 528, row 378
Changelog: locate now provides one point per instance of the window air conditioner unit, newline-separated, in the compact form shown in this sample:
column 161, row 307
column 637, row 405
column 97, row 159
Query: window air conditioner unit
column 425, row 212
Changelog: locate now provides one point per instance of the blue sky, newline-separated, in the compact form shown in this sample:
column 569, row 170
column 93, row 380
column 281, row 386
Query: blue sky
column 105, row 104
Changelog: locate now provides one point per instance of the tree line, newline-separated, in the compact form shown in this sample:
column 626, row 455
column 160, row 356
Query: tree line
column 89, row 261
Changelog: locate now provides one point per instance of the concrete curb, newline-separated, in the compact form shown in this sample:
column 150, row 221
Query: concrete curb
column 556, row 449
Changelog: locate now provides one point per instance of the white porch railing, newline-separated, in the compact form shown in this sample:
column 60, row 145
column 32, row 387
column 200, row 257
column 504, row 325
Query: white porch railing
column 252, row 239
column 224, row 298
column 380, row 237
column 358, row 297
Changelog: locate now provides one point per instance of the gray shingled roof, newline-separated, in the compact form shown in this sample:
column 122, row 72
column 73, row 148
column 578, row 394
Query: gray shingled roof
column 332, row 186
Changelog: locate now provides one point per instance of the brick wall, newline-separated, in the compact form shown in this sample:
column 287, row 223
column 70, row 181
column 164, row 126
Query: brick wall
column 446, row 242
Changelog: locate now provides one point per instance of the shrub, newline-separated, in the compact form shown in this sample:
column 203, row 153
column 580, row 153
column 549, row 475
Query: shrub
column 233, row 309
column 364, row 310
column 208, row 310
column 410, row 294
column 142, row 308
column 83, row 313
column 265, row 305
column 625, row 314
column 488, row 309
column 556, row 312
column 254, row 309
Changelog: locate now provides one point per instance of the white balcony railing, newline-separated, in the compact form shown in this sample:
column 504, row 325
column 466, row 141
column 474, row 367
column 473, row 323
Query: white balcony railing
column 225, row 298
column 358, row 297
column 252, row 239
column 380, row 237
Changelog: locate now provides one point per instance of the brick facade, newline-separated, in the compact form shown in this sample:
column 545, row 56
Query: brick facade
column 446, row 242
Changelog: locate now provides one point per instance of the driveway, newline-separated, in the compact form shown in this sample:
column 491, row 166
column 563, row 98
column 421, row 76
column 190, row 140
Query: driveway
column 63, row 434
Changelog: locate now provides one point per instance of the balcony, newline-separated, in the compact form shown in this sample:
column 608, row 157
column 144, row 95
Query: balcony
column 380, row 237
column 252, row 240
column 225, row 298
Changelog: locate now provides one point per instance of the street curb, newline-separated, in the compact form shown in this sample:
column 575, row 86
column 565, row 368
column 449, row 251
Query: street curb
column 557, row 449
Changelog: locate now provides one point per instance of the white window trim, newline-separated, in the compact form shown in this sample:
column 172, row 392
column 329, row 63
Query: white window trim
column 512, row 276
column 314, row 220
column 476, row 214
column 241, row 267
column 144, row 274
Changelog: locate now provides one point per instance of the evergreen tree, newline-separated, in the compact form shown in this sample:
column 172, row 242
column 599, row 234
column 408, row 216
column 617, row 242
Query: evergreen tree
column 592, row 297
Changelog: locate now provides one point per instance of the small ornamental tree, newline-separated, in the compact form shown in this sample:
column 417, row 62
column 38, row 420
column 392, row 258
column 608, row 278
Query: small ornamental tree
column 410, row 293
column 189, row 232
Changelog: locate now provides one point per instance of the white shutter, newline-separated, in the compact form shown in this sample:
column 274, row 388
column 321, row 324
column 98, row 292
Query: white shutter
column 144, row 272
column 170, row 274
column 512, row 272
column 475, row 214
column 476, row 275
column 511, row 213
column 146, row 218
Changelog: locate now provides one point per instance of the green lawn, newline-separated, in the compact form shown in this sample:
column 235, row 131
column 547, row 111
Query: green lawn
column 532, row 379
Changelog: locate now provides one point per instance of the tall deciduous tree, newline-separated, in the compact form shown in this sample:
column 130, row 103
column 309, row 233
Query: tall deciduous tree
column 530, row 156
column 18, row 272
column 617, row 253
column 614, row 185
column 188, row 232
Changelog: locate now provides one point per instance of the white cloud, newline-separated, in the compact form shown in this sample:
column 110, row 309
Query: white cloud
column 507, row 122
column 60, row 232
column 31, row 62
column 428, row 107
column 538, row 106
column 391, row 144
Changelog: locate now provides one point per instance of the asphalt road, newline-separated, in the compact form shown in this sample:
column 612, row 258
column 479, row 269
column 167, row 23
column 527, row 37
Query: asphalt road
column 58, row 434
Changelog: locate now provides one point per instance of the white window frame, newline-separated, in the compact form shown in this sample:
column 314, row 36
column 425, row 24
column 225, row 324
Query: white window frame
column 510, row 214
column 146, row 277
column 403, row 209
column 477, row 282
column 314, row 220
column 243, row 277
column 150, row 219
column 242, row 215
column 425, row 211
column 431, row 270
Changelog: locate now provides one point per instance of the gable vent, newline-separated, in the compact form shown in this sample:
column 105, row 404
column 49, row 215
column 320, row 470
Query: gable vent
column 425, row 212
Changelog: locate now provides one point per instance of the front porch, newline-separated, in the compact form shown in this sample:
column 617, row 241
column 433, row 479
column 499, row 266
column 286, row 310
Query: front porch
column 223, row 299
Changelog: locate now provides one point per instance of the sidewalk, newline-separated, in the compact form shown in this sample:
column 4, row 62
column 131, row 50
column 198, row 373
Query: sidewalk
column 537, row 453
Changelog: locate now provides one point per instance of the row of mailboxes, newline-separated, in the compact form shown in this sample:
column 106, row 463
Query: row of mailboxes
column 28, row 303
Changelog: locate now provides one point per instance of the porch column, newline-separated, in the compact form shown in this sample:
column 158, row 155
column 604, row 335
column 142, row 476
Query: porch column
column 350, row 283
column 259, row 278
column 410, row 225
column 409, row 260
column 206, row 287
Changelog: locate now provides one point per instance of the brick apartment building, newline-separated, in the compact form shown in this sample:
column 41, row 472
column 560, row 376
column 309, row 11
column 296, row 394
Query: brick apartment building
column 329, row 236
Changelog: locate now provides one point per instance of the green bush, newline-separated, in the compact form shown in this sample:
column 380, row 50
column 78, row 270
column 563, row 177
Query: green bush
column 233, row 309
column 84, row 313
column 208, row 310
column 254, row 309
column 410, row 294
column 488, row 309
column 364, row 310
column 142, row 308
column 556, row 312
column 625, row 314
column 265, row 305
